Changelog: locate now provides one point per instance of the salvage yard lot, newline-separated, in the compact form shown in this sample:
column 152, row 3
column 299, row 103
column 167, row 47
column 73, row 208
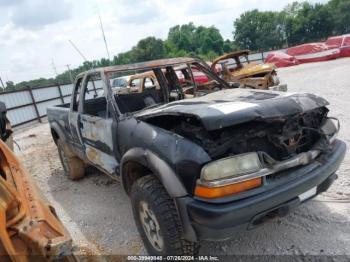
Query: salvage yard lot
column 98, row 214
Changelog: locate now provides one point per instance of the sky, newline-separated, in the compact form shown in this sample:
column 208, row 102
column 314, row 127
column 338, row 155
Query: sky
column 35, row 34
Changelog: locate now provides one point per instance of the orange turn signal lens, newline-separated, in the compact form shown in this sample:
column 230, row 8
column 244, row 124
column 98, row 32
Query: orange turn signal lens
column 216, row 192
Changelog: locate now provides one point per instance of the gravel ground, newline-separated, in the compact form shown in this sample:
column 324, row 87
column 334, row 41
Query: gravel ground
column 98, row 213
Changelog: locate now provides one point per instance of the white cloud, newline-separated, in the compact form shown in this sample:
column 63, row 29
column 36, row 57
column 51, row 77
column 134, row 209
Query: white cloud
column 140, row 12
column 7, row 3
column 36, row 14
column 204, row 7
column 11, row 35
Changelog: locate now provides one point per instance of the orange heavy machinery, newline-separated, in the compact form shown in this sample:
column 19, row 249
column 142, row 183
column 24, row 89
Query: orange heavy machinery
column 29, row 227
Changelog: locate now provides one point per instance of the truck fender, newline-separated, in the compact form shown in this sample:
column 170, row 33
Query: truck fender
column 159, row 168
column 55, row 127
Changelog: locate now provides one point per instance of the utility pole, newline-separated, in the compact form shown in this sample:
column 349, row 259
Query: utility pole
column 54, row 67
column 70, row 73
column 104, row 37
column 2, row 84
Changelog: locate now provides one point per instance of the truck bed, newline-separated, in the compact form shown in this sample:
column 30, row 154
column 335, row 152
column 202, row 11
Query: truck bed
column 58, row 115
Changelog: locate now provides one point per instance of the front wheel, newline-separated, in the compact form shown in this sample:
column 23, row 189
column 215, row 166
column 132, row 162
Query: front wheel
column 157, row 219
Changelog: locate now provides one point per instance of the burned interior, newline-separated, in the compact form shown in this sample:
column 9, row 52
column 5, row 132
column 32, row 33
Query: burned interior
column 161, row 84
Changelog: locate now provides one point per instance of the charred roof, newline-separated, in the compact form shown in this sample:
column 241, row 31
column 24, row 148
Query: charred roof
column 146, row 65
column 232, row 55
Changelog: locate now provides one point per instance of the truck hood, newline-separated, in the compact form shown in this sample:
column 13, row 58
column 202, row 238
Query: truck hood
column 234, row 106
column 253, row 69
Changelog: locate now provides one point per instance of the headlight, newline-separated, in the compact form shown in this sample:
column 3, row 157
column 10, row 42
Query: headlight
column 231, row 167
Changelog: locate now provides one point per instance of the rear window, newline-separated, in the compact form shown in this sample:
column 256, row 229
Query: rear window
column 121, row 82
column 138, row 93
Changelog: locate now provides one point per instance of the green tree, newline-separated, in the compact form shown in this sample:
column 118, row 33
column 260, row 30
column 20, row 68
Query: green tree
column 229, row 46
column 10, row 86
column 321, row 22
column 191, row 40
column 104, row 62
column 207, row 39
column 181, row 37
column 305, row 22
column 298, row 22
column 149, row 48
column 123, row 58
column 257, row 30
column 340, row 14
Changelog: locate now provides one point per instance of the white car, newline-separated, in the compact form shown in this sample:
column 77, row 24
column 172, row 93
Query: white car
column 120, row 82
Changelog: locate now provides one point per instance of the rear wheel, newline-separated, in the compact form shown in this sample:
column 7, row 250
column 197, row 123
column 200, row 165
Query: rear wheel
column 73, row 167
column 157, row 219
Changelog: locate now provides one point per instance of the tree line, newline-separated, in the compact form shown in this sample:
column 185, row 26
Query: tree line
column 297, row 23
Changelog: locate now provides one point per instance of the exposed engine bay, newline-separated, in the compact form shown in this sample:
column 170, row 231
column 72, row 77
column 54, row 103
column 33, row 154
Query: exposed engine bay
column 280, row 138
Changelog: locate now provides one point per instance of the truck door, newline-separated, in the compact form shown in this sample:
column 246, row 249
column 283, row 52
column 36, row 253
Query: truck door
column 73, row 118
column 96, row 125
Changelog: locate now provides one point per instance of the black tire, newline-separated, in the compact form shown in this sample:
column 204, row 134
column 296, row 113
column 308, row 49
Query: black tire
column 73, row 167
column 149, row 190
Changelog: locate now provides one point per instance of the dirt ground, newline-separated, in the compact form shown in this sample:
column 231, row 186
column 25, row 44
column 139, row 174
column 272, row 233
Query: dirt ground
column 98, row 214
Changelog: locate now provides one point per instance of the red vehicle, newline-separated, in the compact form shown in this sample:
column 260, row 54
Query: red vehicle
column 342, row 42
column 199, row 77
column 313, row 52
column 281, row 59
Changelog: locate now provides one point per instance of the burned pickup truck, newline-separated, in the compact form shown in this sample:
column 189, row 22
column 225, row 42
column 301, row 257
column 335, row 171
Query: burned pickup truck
column 197, row 168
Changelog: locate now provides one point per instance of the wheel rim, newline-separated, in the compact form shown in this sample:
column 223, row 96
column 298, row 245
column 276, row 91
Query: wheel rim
column 151, row 226
column 64, row 160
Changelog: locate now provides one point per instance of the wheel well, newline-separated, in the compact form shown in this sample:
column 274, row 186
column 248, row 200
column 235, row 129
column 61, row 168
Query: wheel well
column 131, row 172
column 55, row 136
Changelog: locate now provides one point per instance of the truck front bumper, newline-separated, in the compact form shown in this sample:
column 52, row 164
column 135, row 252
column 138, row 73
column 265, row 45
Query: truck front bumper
column 215, row 221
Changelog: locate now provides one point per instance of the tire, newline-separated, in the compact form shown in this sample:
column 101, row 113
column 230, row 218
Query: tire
column 73, row 167
column 150, row 201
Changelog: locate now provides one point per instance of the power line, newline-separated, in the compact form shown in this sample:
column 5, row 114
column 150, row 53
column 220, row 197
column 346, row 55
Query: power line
column 76, row 48
column 104, row 37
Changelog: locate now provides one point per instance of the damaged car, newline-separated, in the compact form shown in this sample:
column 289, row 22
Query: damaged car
column 236, row 67
column 199, row 168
